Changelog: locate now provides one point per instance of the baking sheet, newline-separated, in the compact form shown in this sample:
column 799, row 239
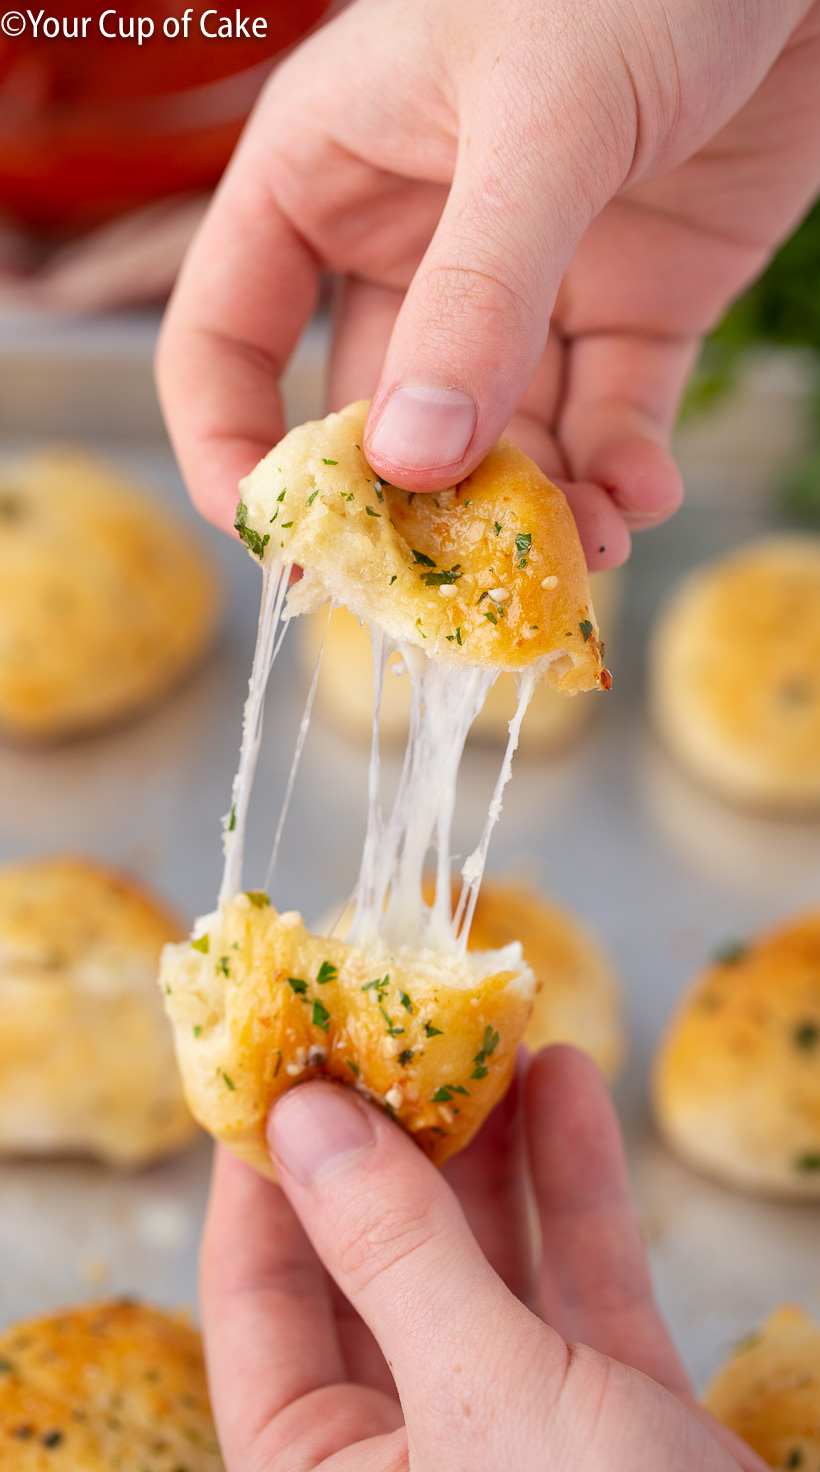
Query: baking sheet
column 661, row 870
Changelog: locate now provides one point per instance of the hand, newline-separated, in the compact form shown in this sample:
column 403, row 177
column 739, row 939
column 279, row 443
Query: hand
column 538, row 210
column 356, row 1317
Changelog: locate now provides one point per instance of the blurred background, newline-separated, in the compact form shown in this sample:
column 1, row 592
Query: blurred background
column 105, row 169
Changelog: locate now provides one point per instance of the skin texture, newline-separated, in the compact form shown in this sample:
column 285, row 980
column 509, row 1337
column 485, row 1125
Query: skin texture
column 536, row 211
column 373, row 1315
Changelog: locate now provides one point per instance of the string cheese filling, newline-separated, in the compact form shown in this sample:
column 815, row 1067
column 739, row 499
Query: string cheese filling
column 390, row 909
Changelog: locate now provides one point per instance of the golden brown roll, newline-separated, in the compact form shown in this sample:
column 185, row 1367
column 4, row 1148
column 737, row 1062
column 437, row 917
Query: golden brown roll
column 106, row 600
column 259, row 1005
column 104, row 1386
column 86, row 1057
column 578, row 999
column 735, row 674
column 768, row 1392
column 490, row 572
column 345, row 690
column 737, row 1076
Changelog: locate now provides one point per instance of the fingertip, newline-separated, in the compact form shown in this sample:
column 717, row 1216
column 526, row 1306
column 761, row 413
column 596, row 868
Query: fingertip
column 601, row 526
column 418, row 435
column 316, row 1129
column 641, row 478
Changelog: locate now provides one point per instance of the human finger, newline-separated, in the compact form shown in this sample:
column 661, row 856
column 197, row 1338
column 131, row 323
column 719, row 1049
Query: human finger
column 474, row 323
column 594, row 1280
column 390, row 1231
column 245, row 292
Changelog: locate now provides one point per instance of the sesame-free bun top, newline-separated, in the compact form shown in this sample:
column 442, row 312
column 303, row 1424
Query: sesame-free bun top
column 737, row 1076
column 258, row 1005
column 489, row 572
column 106, row 600
column 735, row 673
column 103, row 1386
column 86, row 1056
column 768, row 1392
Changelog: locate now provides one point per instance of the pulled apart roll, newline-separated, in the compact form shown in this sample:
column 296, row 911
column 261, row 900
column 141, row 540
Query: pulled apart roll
column 258, row 1005
column 768, row 1391
column 490, row 572
column 104, row 1386
column 737, row 1076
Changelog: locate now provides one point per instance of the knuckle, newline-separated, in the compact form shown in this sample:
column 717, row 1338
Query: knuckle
column 388, row 1241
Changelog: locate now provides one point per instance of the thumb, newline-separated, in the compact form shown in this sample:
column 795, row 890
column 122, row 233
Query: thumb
column 389, row 1230
column 474, row 323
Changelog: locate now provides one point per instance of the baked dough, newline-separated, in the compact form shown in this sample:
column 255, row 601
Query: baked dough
column 86, row 1056
column 768, row 1392
column 578, row 998
column 258, row 1005
column 345, row 691
column 430, row 571
column 485, row 577
column 103, row 1386
column 106, row 600
column 737, row 1076
column 735, row 674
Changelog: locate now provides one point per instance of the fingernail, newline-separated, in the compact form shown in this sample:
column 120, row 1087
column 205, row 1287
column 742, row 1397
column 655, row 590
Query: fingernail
column 316, row 1128
column 424, row 427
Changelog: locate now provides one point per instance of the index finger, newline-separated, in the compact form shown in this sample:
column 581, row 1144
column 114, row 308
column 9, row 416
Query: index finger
column 246, row 290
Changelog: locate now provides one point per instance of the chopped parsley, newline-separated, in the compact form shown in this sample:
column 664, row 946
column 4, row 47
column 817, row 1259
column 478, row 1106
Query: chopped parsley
column 312, row 497
column 442, row 1096
column 286, row 524
column 490, row 616
column 807, row 1034
column 405, row 1001
column 346, row 495
column 456, row 636
column 480, row 1071
column 229, row 1081
column 258, row 898
column 297, row 985
column 496, row 527
column 354, row 1067
column 371, row 512
column 730, row 953
column 432, row 1032
column 420, row 629
column 379, row 986
column 329, row 462
column 197, row 1031
column 327, row 972
column 809, row 1161
column 377, row 486
column 222, row 966
column 232, row 818
column 443, row 578
column 422, row 558
column 795, row 1458
column 523, row 543
column 488, row 1047
column 405, row 1057
column 282, row 494
column 51, row 1438
column 392, row 1030
column 273, row 518
column 203, row 944
column 586, row 626
column 252, row 539
column 321, row 1016
column 393, row 579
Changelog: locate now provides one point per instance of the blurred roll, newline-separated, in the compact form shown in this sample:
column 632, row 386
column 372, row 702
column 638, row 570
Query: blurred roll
column 735, row 674
column 86, row 1058
column 104, row 1386
column 106, row 600
column 737, row 1076
column 768, row 1392
column 344, row 694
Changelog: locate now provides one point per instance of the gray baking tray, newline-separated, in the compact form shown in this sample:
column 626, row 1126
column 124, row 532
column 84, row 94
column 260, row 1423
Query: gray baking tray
column 662, row 871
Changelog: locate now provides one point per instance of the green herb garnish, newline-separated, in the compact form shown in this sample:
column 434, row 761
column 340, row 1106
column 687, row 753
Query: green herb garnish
column 232, row 819
column 405, row 1057
column 809, row 1161
column 405, row 1001
column 327, row 972
column 321, row 1016
column 444, row 578
column 354, row 1067
column 420, row 629
column 496, row 525
column 392, row 1030
column 258, row 898
column 329, row 462
column 371, row 512
column 197, row 1031
column 442, row 1096
column 480, row 1071
column 523, row 543
column 222, row 966
column 229, row 1082
column 286, row 524
column 730, row 953
column 203, row 944
column 312, row 497
column 282, row 494
column 795, row 1458
column 490, row 616
column 297, row 985
column 393, row 579
column 252, row 539
column 432, row 1032
column 586, row 626
column 423, row 559
column 807, row 1035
